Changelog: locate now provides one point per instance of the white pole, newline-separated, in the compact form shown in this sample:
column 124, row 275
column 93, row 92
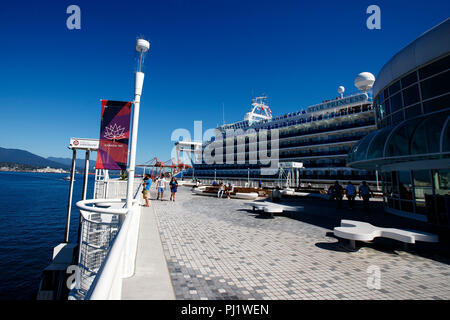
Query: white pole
column 86, row 174
column 142, row 46
column 69, row 202
column 139, row 81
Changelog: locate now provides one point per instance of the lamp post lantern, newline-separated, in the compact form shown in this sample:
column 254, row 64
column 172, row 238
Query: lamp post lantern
column 142, row 47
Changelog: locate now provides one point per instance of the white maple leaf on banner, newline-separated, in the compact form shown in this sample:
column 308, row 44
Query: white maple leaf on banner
column 114, row 132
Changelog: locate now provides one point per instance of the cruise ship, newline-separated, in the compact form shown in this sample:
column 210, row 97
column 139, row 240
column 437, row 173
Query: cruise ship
column 309, row 146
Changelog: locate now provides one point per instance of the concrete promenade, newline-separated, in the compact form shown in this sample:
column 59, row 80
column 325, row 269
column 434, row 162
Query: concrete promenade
column 218, row 249
column 151, row 280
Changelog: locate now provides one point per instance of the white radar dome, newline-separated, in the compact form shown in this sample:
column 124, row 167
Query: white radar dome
column 364, row 81
column 142, row 45
column 341, row 90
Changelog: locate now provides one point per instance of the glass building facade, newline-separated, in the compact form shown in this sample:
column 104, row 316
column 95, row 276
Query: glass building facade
column 411, row 148
column 422, row 91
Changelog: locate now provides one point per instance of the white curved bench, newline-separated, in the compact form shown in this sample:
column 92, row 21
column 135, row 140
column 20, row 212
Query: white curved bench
column 271, row 208
column 363, row 231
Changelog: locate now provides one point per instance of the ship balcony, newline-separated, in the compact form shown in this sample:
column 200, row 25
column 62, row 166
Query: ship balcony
column 253, row 156
column 323, row 142
column 286, row 142
column 285, row 123
column 323, row 155
column 348, row 113
column 344, row 128
column 365, row 127
column 319, row 144
column 337, row 163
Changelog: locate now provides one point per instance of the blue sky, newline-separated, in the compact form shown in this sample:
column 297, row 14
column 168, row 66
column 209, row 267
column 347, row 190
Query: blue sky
column 203, row 54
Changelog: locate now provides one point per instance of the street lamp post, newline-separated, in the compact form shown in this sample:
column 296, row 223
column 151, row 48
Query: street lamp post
column 142, row 46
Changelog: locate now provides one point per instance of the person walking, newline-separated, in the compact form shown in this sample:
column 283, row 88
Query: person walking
column 365, row 193
column 173, row 188
column 146, row 189
column 337, row 193
column 350, row 192
column 161, row 185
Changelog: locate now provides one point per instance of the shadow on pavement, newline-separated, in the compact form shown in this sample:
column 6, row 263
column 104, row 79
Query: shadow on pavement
column 325, row 214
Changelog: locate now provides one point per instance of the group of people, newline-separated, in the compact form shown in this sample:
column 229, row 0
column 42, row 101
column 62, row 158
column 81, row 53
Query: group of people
column 160, row 187
column 336, row 192
column 223, row 188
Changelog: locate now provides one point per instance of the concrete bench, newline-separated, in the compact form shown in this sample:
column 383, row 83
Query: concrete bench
column 363, row 231
column 270, row 207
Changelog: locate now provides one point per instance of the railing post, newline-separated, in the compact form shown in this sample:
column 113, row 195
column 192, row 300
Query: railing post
column 69, row 205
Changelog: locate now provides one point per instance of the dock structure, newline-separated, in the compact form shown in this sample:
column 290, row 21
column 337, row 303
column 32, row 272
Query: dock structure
column 205, row 248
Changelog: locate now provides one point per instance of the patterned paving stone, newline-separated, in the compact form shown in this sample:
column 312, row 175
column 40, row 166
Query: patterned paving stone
column 216, row 250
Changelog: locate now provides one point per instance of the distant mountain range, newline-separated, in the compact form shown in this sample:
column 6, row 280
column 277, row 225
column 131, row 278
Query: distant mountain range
column 27, row 158
column 23, row 157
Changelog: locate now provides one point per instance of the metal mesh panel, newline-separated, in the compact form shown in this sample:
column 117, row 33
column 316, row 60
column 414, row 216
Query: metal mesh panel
column 97, row 234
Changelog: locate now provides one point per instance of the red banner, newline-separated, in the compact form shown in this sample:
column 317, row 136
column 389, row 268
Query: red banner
column 112, row 151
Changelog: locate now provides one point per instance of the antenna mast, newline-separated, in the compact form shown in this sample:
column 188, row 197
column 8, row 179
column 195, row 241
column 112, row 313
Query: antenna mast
column 223, row 113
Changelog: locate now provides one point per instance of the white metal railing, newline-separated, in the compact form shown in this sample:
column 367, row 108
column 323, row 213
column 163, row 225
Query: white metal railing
column 108, row 241
column 112, row 189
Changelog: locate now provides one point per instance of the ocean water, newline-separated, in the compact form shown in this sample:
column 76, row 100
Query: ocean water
column 33, row 209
